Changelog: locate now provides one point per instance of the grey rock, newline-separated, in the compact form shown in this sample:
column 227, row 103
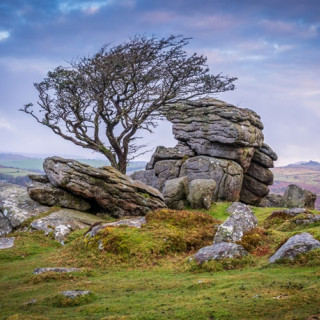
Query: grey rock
column 238, row 207
column 38, row 178
column 296, row 196
column 260, row 173
column 233, row 229
column 57, row 270
column 47, row 194
column 271, row 200
column 6, row 243
column 262, row 159
column 175, row 193
column 110, row 190
column 148, row 177
column 201, row 193
column 62, row 222
column 5, row 225
column 252, row 190
column 296, row 245
column 16, row 207
column 266, row 149
column 180, row 151
column 295, row 211
column 166, row 170
column 309, row 219
column 219, row 251
column 72, row 294
column 227, row 174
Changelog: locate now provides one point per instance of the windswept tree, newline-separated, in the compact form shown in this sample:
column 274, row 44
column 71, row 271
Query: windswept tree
column 102, row 102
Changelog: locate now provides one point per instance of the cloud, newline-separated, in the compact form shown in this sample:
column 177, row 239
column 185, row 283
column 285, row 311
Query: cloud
column 4, row 35
column 4, row 124
column 89, row 7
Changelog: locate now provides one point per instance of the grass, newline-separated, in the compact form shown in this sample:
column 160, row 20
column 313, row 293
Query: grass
column 133, row 279
column 15, row 172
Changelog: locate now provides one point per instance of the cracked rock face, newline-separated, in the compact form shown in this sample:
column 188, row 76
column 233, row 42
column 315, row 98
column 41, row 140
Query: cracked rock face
column 111, row 191
column 216, row 141
column 16, row 207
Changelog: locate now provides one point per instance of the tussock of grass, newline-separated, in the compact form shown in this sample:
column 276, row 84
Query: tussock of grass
column 167, row 232
column 61, row 301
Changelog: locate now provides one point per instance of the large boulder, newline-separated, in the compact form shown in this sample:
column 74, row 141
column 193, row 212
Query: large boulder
column 295, row 245
column 16, row 207
column 201, row 193
column 296, row 196
column 210, row 125
column 216, row 141
column 227, row 174
column 272, row 200
column 175, row 193
column 239, row 222
column 41, row 190
column 107, row 188
column 219, row 251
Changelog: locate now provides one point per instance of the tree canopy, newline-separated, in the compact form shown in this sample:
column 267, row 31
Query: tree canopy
column 102, row 102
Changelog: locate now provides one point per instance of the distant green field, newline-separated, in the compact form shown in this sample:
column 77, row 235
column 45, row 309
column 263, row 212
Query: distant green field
column 15, row 172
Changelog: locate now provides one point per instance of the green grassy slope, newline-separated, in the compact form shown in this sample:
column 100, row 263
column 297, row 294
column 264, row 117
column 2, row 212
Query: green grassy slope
column 135, row 279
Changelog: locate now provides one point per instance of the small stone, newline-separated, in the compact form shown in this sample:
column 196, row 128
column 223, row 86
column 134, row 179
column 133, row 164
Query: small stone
column 57, row 270
column 6, row 243
column 72, row 294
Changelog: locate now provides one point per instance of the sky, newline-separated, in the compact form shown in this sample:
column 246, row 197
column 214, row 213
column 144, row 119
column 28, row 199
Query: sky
column 272, row 46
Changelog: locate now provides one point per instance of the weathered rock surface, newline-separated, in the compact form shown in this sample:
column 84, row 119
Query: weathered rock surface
column 175, row 193
column 16, row 207
column 57, row 270
column 42, row 191
column 6, row 243
column 62, row 222
column 106, row 187
column 201, row 193
column 296, row 245
column 227, row 174
column 272, row 200
column 309, row 218
column 296, row 196
column 215, row 141
column 218, row 251
column 72, row 294
column 233, row 229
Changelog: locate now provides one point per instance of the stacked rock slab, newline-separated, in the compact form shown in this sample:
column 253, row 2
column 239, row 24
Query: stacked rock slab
column 106, row 189
column 216, row 141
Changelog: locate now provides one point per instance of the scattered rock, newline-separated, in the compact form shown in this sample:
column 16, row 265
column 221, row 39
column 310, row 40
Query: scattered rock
column 16, row 207
column 201, row 193
column 72, row 294
column 57, row 270
column 295, row 245
column 6, row 243
column 62, row 222
column 287, row 213
column 30, row 302
column 175, row 193
column 308, row 219
column 43, row 192
column 241, row 221
column 109, row 189
column 272, row 200
column 296, row 196
column 220, row 251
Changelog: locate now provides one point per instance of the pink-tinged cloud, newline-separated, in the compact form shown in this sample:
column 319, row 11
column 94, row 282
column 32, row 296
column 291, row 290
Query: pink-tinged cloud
column 290, row 28
column 158, row 16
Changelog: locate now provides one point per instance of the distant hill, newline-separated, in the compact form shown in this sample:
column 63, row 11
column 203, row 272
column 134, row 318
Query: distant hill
column 304, row 174
column 11, row 156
